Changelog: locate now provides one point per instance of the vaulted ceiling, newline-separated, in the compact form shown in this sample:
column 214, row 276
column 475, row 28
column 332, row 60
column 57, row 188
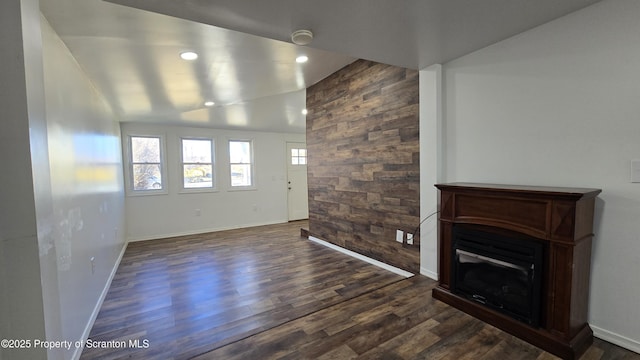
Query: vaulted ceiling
column 130, row 49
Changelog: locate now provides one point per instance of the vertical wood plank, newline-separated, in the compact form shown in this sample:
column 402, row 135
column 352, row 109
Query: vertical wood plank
column 363, row 170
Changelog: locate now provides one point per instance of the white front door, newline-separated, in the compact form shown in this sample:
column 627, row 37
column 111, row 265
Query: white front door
column 297, row 181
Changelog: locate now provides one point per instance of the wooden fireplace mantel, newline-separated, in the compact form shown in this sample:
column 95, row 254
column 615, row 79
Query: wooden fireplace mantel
column 561, row 218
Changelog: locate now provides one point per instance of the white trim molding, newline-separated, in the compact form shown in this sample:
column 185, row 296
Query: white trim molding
column 202, row 231
column 428, row 273
column 617, row 339
column 377, row 263
column 96, row 309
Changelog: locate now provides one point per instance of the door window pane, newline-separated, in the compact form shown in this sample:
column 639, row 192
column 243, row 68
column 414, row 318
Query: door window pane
column 298, row 156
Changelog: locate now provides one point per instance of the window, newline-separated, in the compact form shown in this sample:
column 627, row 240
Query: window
column 197, row 164
column 146, row 166
column 241, row 163
column 298, row 156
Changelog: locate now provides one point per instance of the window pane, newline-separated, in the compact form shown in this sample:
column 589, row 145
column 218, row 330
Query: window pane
column 147, row 177
column 241, row 175
column 145, row 149
column 196, row 151
column 240, row 152
column 298, row 156
column 198, row 176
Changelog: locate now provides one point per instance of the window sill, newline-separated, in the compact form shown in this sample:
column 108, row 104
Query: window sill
column 197, row 191
column 136, row 193
column 242, row 188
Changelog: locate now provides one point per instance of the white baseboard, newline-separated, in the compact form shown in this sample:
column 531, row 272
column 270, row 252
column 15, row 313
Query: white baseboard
column 362, row 257
column 201, row 231
column 622, row 341
column 428, row 273
column 96, row 309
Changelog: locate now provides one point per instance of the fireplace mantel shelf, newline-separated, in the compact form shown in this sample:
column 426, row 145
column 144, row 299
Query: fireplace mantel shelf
column 561, row 218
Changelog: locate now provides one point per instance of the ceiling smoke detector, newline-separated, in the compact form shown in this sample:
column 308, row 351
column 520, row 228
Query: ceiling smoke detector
column 302, row 37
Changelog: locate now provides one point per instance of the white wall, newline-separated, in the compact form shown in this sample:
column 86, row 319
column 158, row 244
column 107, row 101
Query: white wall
column 560, row 105
column 430, row 166
column 56, row 199
column 86, row 216
column 157, row 216
column 21, row 95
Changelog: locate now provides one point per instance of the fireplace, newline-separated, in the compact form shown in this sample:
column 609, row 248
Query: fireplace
column 518, row 258
column 502, row 272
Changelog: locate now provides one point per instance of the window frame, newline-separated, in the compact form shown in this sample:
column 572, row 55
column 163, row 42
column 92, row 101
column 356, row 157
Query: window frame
column 164, row 175
column 214, row 187
column 298, row 156
column 251, row 164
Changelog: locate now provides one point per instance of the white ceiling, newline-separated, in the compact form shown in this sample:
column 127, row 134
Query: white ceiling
column 247, row 62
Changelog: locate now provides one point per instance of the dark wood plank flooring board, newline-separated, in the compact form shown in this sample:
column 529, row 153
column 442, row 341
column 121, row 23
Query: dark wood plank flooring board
column 398, row 321
column 266, row 293
column 191, row 294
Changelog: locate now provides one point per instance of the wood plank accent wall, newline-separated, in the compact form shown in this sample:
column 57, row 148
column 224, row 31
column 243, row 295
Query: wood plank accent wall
column 363, row 170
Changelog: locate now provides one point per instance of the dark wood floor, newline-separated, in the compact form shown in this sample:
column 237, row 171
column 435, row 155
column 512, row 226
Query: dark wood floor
column 267, row 293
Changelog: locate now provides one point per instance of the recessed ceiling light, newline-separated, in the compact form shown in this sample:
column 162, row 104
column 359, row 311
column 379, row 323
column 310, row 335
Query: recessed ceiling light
column 302, row 59
column 304, row 111
column 188, row 55
column 209, row 103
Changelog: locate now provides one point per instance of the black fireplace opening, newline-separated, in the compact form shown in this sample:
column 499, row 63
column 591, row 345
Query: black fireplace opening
column 499, row 270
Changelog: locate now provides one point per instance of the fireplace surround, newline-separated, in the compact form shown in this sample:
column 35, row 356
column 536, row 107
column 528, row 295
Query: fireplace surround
column 554, row 224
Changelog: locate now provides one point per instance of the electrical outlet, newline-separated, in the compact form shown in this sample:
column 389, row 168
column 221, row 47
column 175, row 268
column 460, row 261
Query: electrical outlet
column 198, row 212
column 409, row 238
column 399, row 236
